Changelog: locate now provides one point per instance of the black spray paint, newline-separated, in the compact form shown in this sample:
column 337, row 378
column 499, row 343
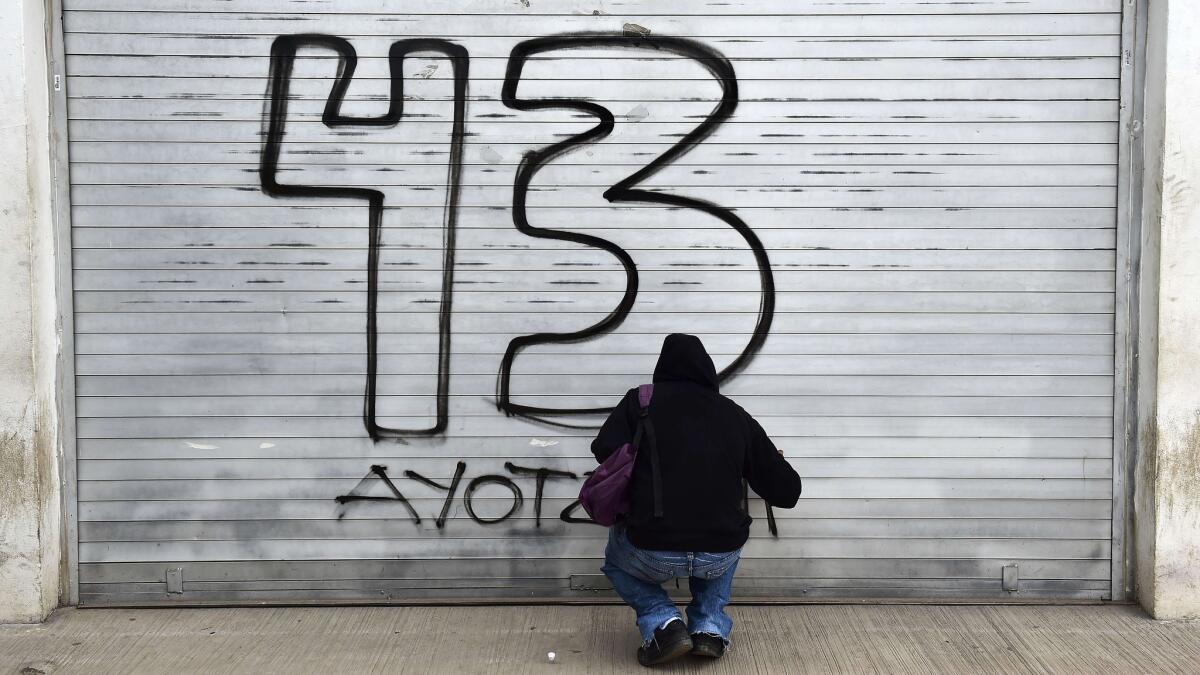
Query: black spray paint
column 624, row 191
column 377, row 472
column 283, row 56
column 517, row 497
column 450, row 489
column 540, row 475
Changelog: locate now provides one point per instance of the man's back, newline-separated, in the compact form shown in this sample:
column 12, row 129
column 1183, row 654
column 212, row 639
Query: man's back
column 706, row 445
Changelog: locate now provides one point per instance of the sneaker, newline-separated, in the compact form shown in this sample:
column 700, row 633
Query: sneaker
column 707, row 644
column 669, row 643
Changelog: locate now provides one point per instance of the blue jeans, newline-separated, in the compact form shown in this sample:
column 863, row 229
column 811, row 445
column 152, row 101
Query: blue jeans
column 637, row 575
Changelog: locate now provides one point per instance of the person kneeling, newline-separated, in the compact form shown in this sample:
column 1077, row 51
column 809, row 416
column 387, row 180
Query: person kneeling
column 687, row 516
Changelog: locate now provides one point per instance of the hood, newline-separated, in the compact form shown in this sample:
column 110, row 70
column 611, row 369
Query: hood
column 683, row 359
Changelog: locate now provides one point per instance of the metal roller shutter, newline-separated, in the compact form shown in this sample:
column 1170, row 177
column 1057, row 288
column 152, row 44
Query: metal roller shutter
column 933, row 184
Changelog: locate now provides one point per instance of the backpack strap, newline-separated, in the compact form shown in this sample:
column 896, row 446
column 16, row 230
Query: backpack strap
column 646, row 428
column 645, row 391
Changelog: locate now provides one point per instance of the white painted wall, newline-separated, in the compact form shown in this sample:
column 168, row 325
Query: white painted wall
column 29, row 484
column 1168, row 475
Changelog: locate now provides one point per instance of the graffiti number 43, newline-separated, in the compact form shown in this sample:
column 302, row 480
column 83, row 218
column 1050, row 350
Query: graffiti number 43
column 283, row 55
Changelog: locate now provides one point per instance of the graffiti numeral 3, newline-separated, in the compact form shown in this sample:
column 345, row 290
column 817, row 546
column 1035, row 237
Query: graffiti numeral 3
column 625, row 191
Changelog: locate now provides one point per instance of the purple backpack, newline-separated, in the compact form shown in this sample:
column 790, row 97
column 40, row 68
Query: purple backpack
column 605, row 494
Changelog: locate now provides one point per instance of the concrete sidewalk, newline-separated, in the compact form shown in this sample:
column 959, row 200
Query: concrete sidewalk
column 599, row 639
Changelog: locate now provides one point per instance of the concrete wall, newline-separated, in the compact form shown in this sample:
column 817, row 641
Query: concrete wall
column 1167, row 503
column 30, row 524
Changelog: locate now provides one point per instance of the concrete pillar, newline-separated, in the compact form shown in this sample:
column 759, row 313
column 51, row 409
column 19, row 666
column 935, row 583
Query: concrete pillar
column 1167, row 475
column 30, row 523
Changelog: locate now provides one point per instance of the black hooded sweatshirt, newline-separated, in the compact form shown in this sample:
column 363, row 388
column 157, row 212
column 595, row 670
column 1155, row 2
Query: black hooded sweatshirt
column 707, row 445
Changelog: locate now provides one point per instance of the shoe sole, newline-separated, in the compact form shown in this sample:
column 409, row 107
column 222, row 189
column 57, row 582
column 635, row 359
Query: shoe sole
column 707, row 651
column 677, row 650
